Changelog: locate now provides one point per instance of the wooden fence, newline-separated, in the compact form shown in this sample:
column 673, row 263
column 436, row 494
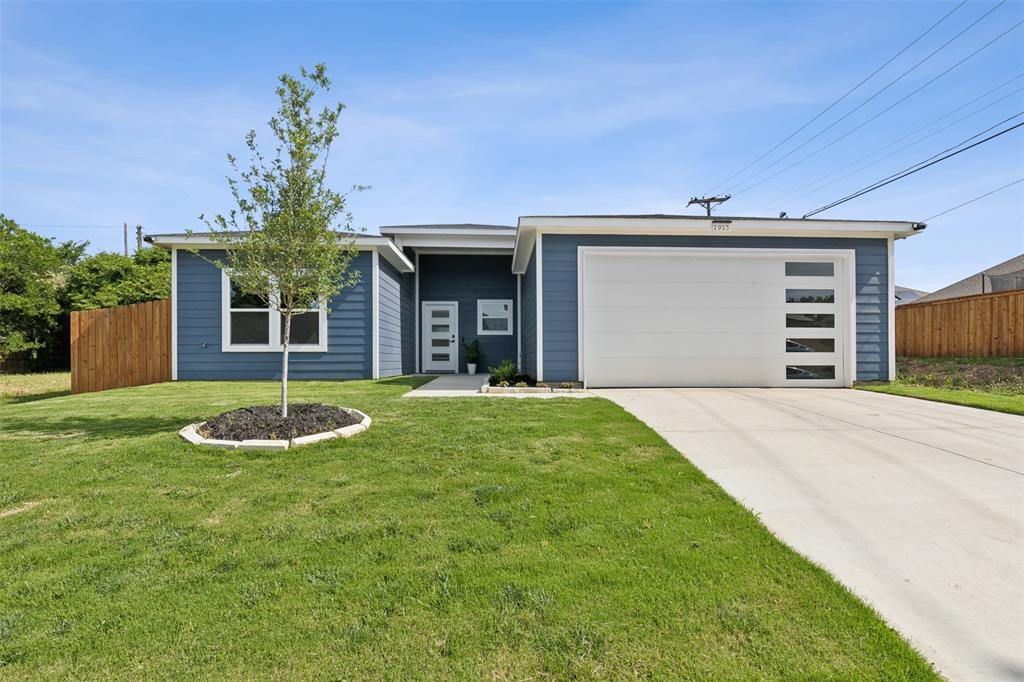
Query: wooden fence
column 117, row 347
column 984, row 325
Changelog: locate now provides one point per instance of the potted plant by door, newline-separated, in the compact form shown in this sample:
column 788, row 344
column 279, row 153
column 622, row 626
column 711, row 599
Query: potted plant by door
column 472, row 355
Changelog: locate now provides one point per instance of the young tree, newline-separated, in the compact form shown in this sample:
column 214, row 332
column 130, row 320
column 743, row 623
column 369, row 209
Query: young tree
column 280, row 241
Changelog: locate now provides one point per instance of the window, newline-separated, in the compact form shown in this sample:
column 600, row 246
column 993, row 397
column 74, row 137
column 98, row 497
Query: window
column 810, row 345
column 810, row 269
column 821, row 320
column 810, row 372
column 494, row 317
column 810, row 296
column 249, row 323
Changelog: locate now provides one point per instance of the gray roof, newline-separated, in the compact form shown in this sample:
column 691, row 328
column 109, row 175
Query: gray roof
column 907, row 295
column 978, row 283
column 451, row 226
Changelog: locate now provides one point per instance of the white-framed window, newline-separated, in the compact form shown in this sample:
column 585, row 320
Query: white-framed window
column 250, row 324
column 494, row 317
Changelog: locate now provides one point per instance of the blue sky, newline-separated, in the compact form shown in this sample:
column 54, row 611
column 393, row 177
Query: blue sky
column 484, row 112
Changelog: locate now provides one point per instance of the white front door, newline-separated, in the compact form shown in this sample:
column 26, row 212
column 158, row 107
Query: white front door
column 440, row 327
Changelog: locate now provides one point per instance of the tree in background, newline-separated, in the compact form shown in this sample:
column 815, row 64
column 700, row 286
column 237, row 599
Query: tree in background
column 41, row 282
column 280, row 241
column 30, row 271
column 106, row 280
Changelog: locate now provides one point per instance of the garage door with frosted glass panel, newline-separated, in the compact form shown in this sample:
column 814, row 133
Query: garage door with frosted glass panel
column 712, row 318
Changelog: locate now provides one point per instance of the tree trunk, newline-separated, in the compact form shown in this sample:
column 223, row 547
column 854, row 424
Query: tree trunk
column 284, row 364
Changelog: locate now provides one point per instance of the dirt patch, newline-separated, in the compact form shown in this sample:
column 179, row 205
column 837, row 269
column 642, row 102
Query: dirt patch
column 20, row 508
column 264, row 422
column 994, row 375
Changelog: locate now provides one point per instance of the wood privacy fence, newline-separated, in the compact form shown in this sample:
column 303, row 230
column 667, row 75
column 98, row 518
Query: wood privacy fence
column 117, row 347
column 984, row 325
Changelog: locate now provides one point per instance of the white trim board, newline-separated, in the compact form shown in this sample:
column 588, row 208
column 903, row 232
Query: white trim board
column 174, row 313
column 375, row 332
column 416, row 302
column 539, row 308
column 891, row 307
column 847, row 258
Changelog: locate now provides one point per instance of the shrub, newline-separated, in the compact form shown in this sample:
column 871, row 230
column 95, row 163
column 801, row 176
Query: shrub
column 521, row 384
column 567, row 384
column 505, row 371
column 502, row 384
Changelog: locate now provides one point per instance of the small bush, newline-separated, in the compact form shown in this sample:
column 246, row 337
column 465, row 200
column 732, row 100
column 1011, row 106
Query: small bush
column 521, row 384
column 502, row 384
column 505, row 371
column 567, row 384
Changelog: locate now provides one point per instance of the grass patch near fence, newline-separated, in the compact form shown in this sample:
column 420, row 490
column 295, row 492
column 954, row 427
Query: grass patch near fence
column 987, row 383
column 20, row 388
column 456, row 539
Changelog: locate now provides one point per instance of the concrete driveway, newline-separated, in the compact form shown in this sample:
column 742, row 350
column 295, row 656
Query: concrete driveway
column 916, row 506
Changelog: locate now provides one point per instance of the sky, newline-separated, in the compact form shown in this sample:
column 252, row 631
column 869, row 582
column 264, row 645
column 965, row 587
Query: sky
column 482, row 112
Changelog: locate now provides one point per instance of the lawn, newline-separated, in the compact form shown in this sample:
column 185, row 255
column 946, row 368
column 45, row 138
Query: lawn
column 20, row 388
column 456, row 539
column 989, row 383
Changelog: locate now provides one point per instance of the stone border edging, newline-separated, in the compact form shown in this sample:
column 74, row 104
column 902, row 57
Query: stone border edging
column 191, row 434
column 487, row 388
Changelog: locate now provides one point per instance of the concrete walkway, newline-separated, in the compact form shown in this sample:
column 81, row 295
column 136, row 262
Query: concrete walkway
column 916, row 506
column 468, row 386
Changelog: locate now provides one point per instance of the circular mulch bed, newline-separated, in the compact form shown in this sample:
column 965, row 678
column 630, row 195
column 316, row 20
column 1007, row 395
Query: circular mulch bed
column 264, row 422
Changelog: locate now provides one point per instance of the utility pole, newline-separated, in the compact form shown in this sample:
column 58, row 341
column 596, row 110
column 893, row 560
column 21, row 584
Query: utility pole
column 706, row 202
column 126, row 240
column 138, row 238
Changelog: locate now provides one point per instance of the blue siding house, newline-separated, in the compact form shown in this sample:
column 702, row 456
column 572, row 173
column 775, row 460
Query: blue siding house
column 645, row 300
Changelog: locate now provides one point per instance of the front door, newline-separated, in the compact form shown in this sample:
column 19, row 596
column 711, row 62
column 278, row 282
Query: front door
column 440, row 323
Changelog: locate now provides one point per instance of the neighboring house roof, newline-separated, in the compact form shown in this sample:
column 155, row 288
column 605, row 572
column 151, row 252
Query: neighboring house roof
column 454, row 227
column 907, row 295
column 1007, row 276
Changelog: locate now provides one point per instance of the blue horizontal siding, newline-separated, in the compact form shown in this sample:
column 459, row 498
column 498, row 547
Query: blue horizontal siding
column 467, row 279
column 349, row 323
column 397, row 321
column 529, row 315
column 559, row 285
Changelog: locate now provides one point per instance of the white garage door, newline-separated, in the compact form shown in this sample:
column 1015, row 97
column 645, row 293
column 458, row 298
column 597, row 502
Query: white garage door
column 713, row 317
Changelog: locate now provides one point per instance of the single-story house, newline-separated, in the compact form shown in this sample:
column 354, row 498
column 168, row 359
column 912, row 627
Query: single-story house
column 1006, row 276
column 607, row 300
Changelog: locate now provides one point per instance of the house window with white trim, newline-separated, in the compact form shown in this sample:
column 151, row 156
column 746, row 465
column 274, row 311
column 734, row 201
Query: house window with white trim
column 250, row 323
column 494, row 317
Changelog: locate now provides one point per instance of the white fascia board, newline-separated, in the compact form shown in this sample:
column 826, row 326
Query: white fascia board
column 385, row 246
column 525, row 239
column 456, row 232
column 506, row 241
column 701, row 225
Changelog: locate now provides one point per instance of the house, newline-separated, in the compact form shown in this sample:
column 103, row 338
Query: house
column 905, row 295
column 1007, row 276
column 608, row 300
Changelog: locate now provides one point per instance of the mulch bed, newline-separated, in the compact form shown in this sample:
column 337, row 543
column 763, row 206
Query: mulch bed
column 524, row 378
column 264, row 422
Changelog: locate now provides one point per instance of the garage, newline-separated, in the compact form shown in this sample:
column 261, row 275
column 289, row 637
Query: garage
column 663, row 317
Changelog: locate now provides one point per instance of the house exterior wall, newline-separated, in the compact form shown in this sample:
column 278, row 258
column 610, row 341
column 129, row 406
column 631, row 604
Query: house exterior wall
column 559, row 291
column 349, row 351
column 529, row 315
column 397, row 323
column 466, row 279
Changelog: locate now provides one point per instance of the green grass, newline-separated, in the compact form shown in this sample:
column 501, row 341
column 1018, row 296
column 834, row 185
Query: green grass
column 20, row 388
column 986, row 401
column 987, row 383
column 456, row 539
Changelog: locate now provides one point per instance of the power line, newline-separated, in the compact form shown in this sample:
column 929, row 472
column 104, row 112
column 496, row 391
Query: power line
column 880, row 113
column 841, row 98
column 971, row 201
column 876, row 94
column 889, row 145
column 913, row 169
column 77, row 227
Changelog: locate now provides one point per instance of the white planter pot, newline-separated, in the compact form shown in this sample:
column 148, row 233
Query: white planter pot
column 471, row 367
